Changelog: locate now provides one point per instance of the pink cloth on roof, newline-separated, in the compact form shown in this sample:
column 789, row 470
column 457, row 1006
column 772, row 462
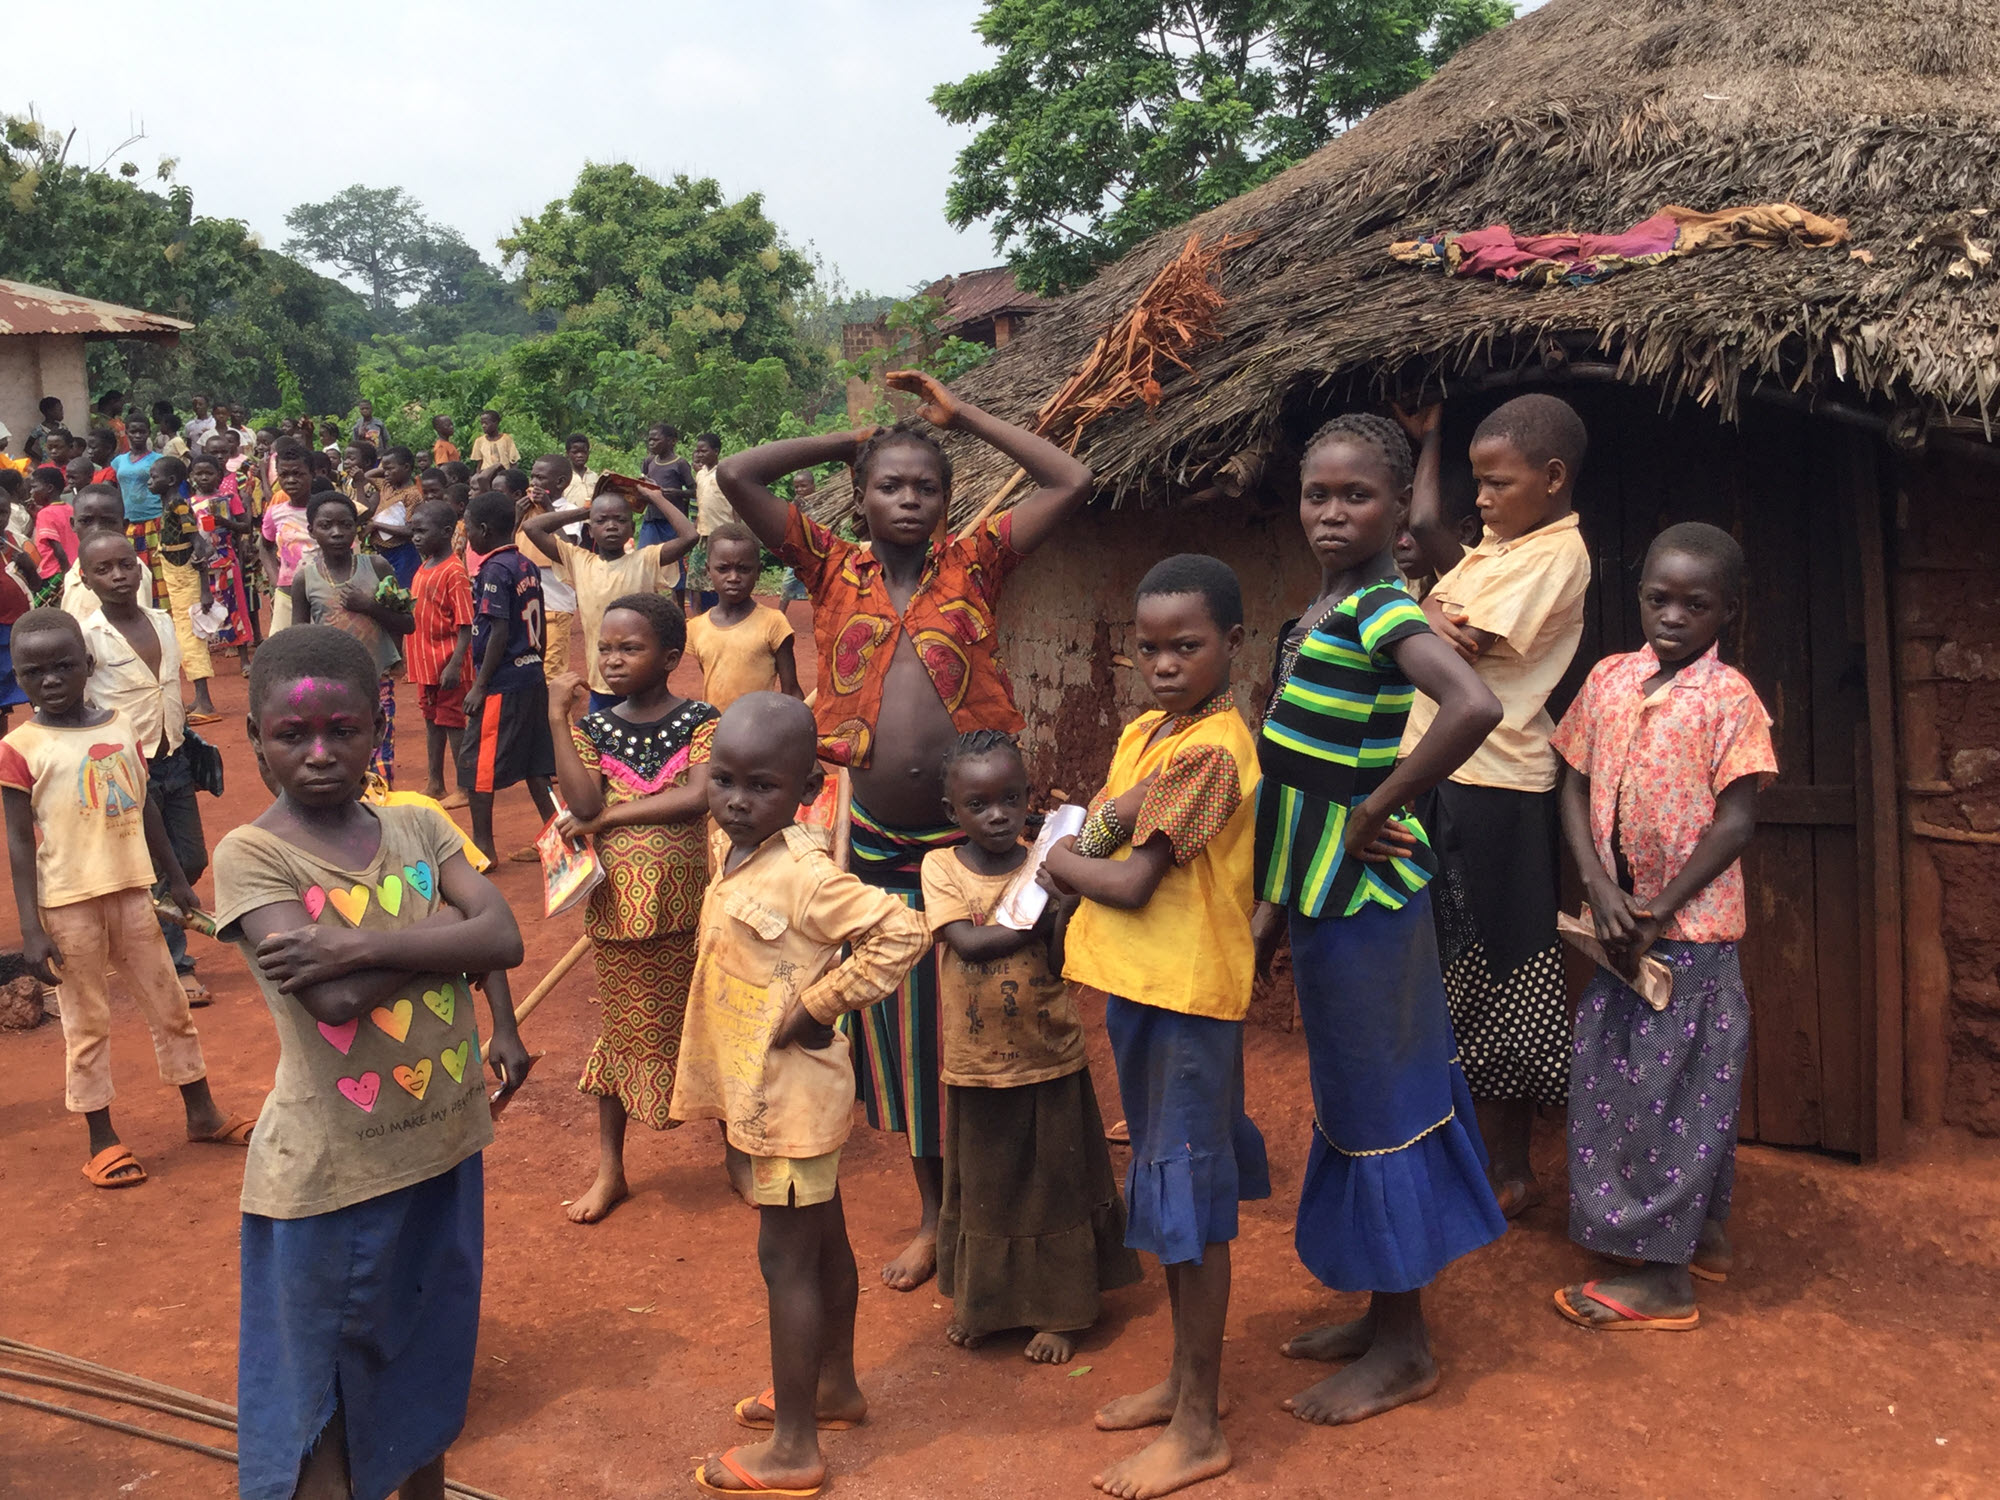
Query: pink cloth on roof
column 1502, row 254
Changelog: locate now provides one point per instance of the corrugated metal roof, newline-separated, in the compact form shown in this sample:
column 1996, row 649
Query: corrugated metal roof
column 40, row 309
column 973, row 296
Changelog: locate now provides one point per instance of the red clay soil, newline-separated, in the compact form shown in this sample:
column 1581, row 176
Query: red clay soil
column 1851, row 1355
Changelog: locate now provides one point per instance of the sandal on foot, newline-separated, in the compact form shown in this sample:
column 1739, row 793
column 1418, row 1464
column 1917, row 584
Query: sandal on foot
column 1119, row 1134
column 751, row 1485
column 1710, row 1273
column 114, row 1167
column 235, row 1131
column 1629, row 1320
column 197, row 993
column 195, row 716
column 769, row 1401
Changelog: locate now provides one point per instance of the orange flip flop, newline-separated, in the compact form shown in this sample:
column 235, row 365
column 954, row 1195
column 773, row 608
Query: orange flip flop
column 1629, row 1320
column 768, row 1399
column 99, row 1170
column 1696, row 1269
column 235, row 1131
column 751, row 1484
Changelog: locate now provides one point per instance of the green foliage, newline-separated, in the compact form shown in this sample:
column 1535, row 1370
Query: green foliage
column 916, row 342
column 372, row 235
column 1105, row 121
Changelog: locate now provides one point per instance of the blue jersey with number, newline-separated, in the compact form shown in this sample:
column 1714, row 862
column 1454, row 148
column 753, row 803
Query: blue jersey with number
column 507, row 616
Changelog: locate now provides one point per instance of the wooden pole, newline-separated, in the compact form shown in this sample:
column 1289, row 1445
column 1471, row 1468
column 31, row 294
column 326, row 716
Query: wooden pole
column 551, row 979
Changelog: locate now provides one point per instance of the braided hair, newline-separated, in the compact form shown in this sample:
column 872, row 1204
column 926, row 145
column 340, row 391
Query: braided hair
column 976, row 743
column 1371, row 431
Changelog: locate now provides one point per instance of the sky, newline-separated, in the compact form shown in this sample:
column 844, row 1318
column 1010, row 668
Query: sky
column 820, row 105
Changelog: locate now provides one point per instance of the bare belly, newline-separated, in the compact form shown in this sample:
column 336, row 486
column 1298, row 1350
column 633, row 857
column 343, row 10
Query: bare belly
column 903, row 783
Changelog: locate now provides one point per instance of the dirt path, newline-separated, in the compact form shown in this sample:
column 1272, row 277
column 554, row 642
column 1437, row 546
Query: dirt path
column 1850, row 1356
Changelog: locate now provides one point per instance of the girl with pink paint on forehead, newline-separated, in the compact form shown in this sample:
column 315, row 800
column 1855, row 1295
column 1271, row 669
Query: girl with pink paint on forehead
column 363, row 1199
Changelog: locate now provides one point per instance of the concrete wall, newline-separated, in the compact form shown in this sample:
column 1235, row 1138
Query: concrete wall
column 1947, row 632
column 36, row 365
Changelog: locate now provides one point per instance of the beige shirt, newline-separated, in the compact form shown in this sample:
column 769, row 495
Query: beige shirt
column 87, row 786
column 581, row 487
column 1529, row 593
column 1003, row 1024
column 771, row 933
column 740, row 658
column 494, row 452
column 121, row 680
column 78, row 598
column 598, row 581
column 391, row 1098
column 712, row 509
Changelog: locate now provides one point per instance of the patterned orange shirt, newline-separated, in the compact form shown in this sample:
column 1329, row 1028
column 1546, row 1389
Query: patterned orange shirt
column 950, row 620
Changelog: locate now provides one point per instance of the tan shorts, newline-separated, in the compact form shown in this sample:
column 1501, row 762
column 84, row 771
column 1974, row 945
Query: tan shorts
column 794, row 1182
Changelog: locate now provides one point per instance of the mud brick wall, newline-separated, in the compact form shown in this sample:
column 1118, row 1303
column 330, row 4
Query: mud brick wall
column 1946, row 603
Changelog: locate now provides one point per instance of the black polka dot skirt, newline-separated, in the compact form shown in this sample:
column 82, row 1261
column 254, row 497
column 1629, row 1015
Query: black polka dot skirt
column 1513, row 1032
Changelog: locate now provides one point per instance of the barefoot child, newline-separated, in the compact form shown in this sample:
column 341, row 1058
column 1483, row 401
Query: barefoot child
column 226, row 520
column 82, row 842
column 363, row 1199
column 1395, row 1184
column 1513, row 607
column 1163, row 867
column 888, row 710
column 760, row 1053
column 743, row 646
column 1667, row 748
column 635, row 778
column 441, row 613
column 1032, row 1228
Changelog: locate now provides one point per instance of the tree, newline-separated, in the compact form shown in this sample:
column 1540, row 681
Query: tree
column 378, row 237
column 636, row 260
column 1105, row 121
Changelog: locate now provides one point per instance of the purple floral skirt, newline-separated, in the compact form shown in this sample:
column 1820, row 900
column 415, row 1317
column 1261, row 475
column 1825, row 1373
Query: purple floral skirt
column 1653, row 1099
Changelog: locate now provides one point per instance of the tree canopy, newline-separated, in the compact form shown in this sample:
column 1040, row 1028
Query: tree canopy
column 1105, row 121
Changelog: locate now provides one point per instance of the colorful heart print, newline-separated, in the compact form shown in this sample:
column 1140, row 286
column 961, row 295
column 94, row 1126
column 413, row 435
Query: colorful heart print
column 360, row 1092
column 396, row 1020
column 419, row 877
column 350, row 903
column 443, row 1003
column 415, row 1080
column 390, row 894
column 454, row 1060
column 340, row 1037
column 315, row 899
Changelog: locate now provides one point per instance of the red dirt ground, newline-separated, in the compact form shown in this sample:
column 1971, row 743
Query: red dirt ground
column 1851, row 1355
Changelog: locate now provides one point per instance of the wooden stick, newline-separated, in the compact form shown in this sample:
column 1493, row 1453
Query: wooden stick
column 985, row 511
column 551, row 979
column 1925, row 830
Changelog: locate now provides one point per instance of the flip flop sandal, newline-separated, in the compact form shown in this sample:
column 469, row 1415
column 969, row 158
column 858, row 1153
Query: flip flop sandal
column 1696, row 1269
column 201, row 718
column 1629, row 1320
column 751, row 1485
column 235, row 1131
column 197, row 993
column 114, row 1167
column 528, row 855
column 768, row 1400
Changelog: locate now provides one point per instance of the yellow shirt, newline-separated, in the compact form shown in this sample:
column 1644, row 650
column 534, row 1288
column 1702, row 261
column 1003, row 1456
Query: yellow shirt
column 88, row 789
column 712, row 507
column 1188, row 949
column 740, row 658
column 491, row 452
column 598, row 581
column 1529, row 593
column 771, row 933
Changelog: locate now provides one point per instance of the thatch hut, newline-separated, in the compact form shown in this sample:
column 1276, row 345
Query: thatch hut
column 1831, row 407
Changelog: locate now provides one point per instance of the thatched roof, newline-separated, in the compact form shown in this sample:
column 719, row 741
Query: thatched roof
column 1589, row 115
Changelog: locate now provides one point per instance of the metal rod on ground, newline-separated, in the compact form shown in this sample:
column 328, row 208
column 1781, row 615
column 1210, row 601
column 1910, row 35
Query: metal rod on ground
column 96, row 1421
column 551, row 979
column 136, row 1382
column 126, row 1398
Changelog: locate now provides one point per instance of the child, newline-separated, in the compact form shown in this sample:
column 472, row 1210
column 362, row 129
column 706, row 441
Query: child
column 395, row 493
column 225, row 519
column 583, row 479
column 1032, row 1229
column 134, row 471
column 183, row 551
column 441, row 613
column 54, row 533
column 102, row 446
column 760, row 1054
column 890, row 726
column 1395, row 1184
column 284, row 529
column 548, row 480
column 337, row 586
column 329, row 439
column 99, row 508
column 509, row 697
column 743, row 646
column 712, row 509
column 1667, row 748
column 636, row 777
column 363, row 1198
column 73, row 778
column 443, row 449
column 606, row 570
column 1513, row 607
column 493, row 450
column 671, row 473
column 135, row 668
column 1163, row 867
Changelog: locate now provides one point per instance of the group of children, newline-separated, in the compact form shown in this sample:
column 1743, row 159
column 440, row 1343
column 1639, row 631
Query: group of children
column 747, row 977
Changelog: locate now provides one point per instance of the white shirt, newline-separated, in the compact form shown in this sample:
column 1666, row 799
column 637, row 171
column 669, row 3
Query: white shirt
column 195, row 429
column 121, row 680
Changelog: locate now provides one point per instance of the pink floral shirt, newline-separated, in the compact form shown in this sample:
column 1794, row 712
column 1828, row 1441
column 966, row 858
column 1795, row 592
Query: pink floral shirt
column 1656, row 765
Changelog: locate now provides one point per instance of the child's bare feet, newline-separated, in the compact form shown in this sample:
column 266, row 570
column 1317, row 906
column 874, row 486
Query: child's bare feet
column 434, row 790
column 916, row 1265
column 1149, row 1408
column 605, row 1194
column 1336, row 1341
column 755, row 1467
column 1385, row 1377
column 1516, row 1194
column 956, row 1335
column 1051, row 1347
column 1172, row 1461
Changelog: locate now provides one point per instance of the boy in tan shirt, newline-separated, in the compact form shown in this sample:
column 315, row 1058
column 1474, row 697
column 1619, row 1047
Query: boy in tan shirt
column 759, row 1052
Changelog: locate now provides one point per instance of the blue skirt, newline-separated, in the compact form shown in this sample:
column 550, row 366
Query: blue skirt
column 374, row 1307
column 1195, row 1153
column 1396, row 1185
column 403, row 560
column 10, row 689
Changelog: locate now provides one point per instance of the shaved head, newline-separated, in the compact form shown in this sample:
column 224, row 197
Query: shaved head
column 772, row 728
